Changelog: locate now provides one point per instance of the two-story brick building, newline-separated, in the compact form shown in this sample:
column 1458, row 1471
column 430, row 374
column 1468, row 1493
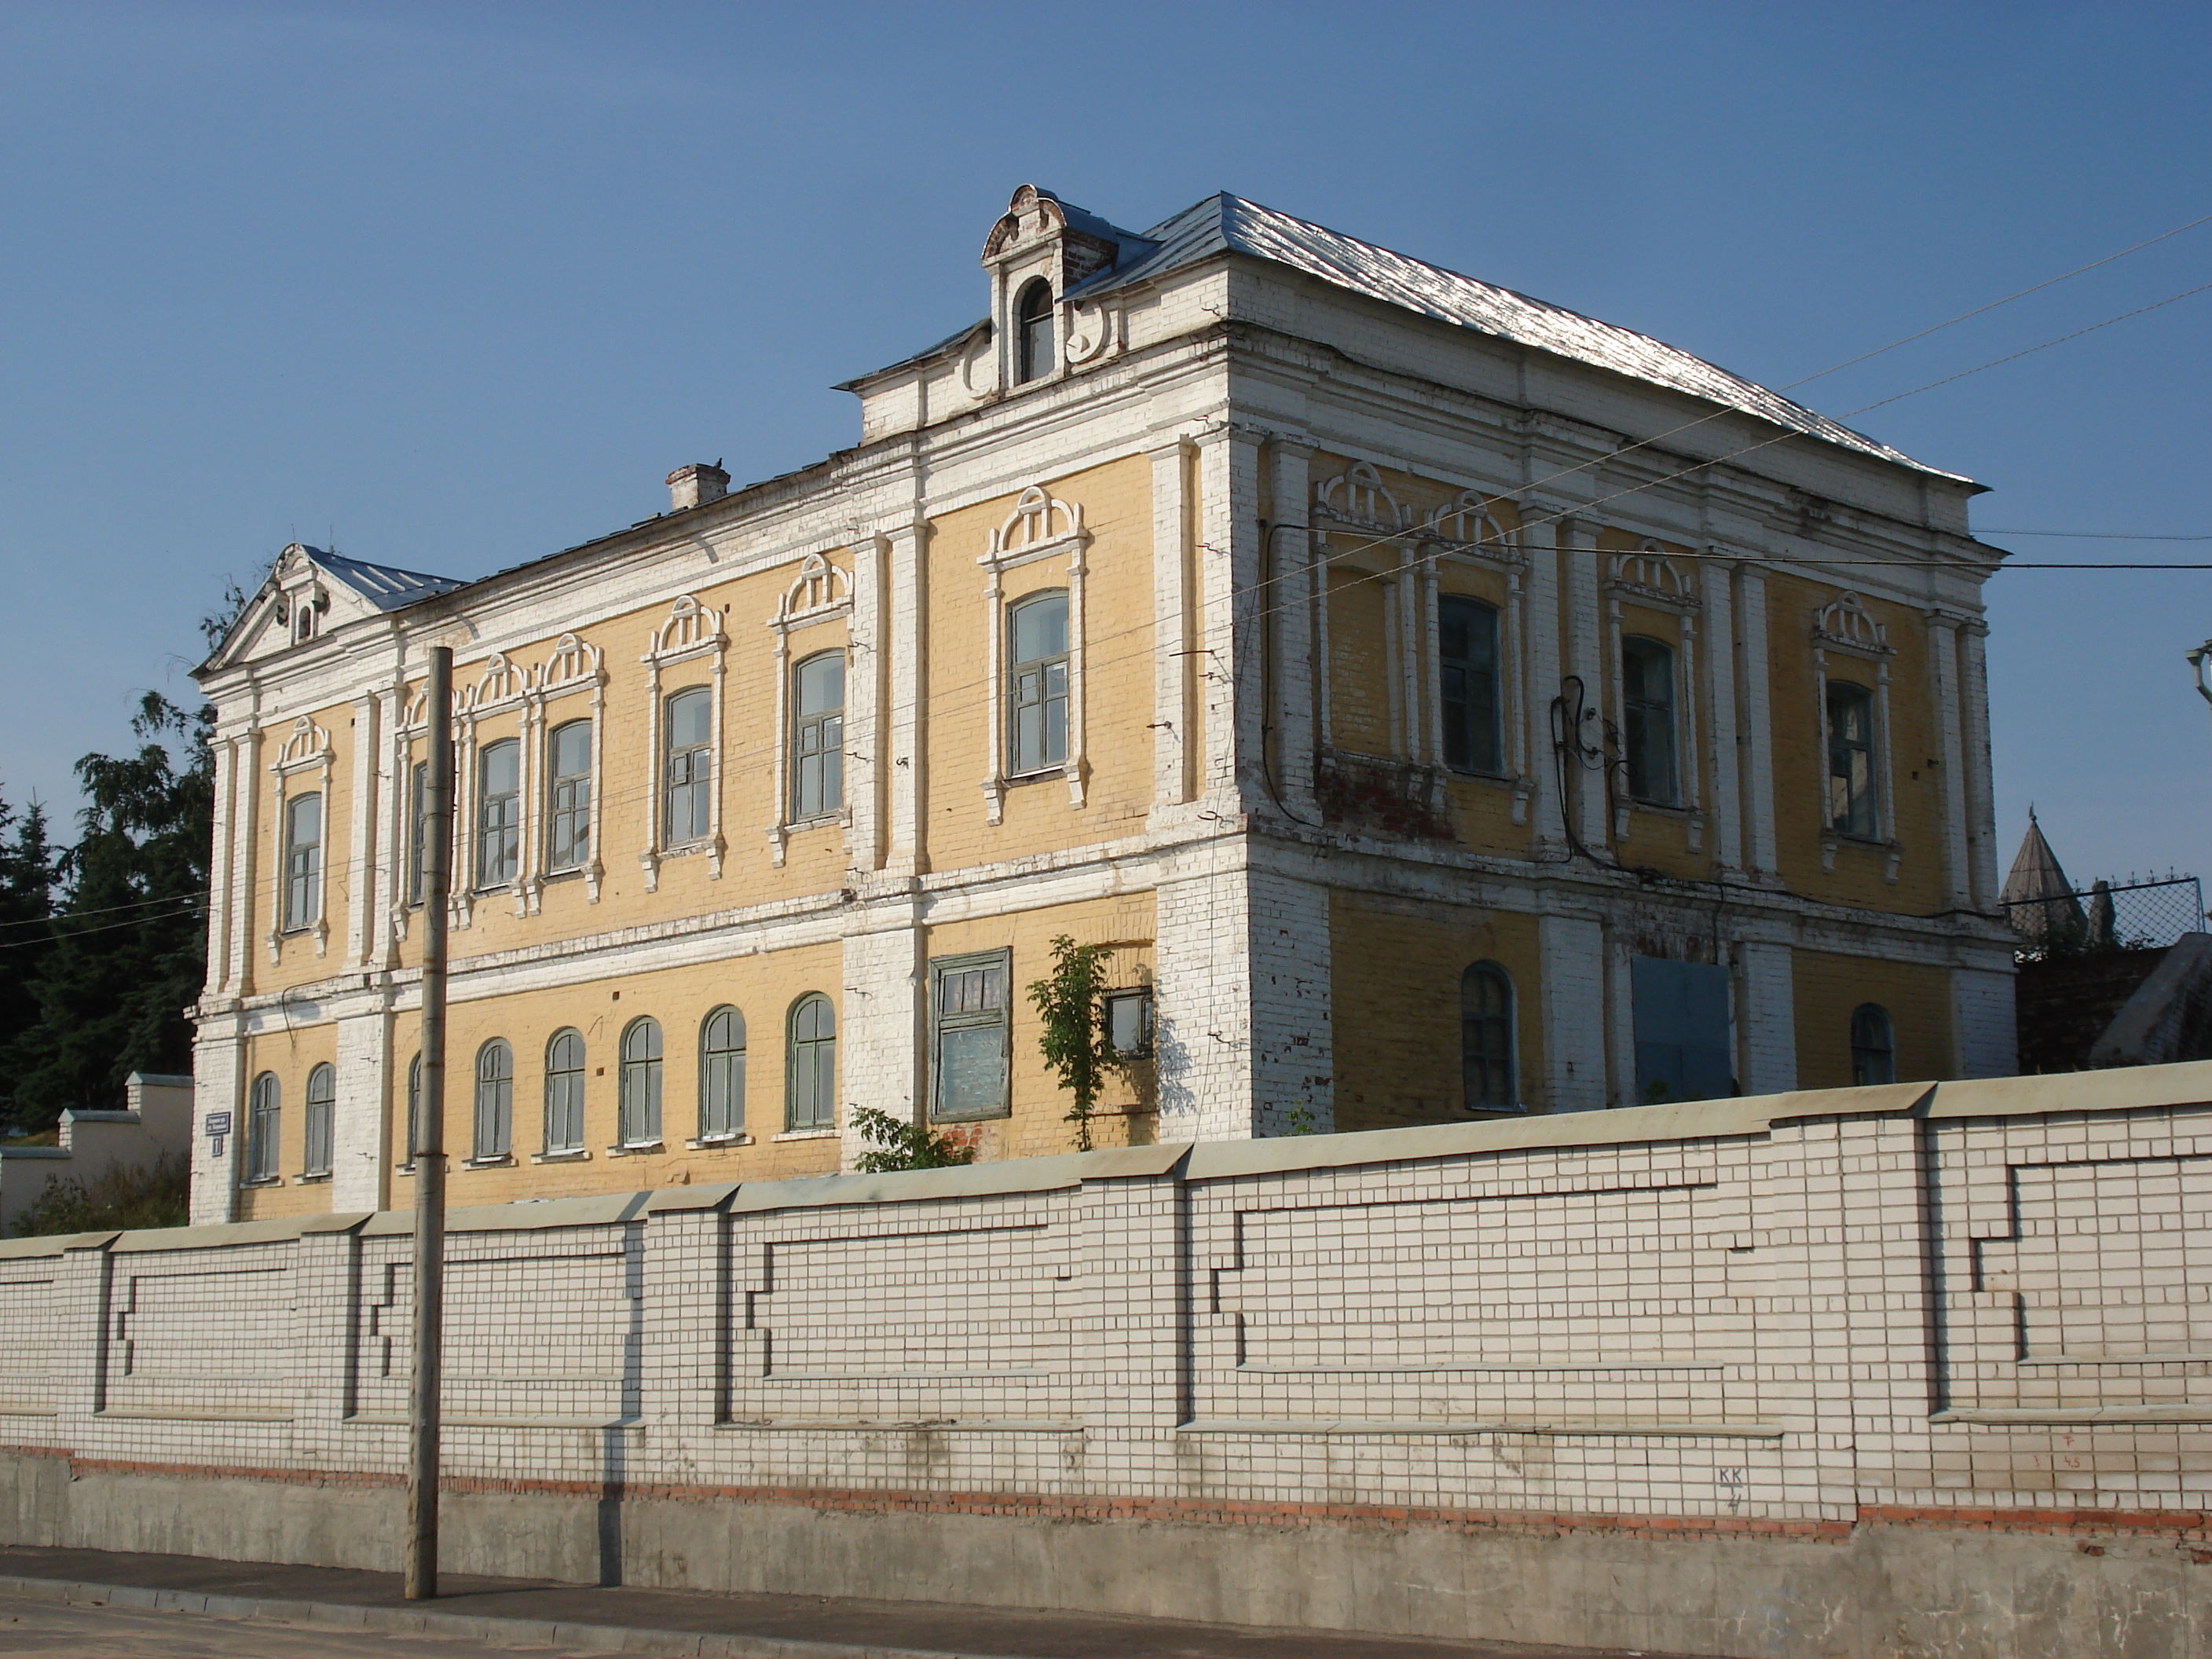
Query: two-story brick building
column 1443, row 703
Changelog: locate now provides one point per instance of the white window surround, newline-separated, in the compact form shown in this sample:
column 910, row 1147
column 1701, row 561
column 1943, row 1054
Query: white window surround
column 1649, row 578
column 574, row 669
column 1844, row 626
column 692, row 631
column 822, row 592
column 501, row 690
column 306, row 751
column 1041, row 527
column 1463, row 533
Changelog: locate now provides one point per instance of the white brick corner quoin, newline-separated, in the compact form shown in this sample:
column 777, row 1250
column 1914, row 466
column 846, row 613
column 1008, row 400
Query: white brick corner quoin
column 1795, row 1320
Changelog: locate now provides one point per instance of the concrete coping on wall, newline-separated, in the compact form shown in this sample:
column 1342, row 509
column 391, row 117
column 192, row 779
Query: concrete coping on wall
column 2135, row 1088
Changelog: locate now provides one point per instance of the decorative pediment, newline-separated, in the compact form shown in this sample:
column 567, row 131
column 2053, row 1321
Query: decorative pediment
column 1843, row 621
column 500, row 682
column 1650, row 576
column 1040, row 523
column 820, row 590
column 1358, row 496
column 690, row 627
column 573, row 664
column 1467, row 520
column 305, row 745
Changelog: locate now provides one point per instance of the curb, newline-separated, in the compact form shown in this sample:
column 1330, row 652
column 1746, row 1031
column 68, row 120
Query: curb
column 491, row 1629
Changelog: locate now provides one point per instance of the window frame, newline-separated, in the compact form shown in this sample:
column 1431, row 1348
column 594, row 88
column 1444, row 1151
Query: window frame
column 506, row 834
column 829, row 753
column 1637, row 713
column 1031, row 320
column 815, row 1046
column 1861, row 1052
column 636, row 1073
column 1492, row 673
column 318, row 1121
column 414, row 1108
column 1864, row 697
column 575, row 812
column 498, row 1146
column 1506, row 1021
column 303, row 889
column 1000, row 1019
column 701, row 787
column 557, row 1077
column 726, row 1064
column 265, row 1132
column 1042, row 766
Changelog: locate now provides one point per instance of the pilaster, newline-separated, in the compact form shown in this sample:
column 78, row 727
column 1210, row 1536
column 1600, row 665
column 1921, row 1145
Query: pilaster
column 1980, row 809
column 880, row 1052
column 905, row 562
column 1945, row 693
column 1228, row 560
column 1719, row 667
column 1578, row 559
column 1571, row 988
column 360, row 1127
column 218, row 1090
column 1176, row 664
column 1755, row 680
column 1540, row 672
column 1290, row 602
column 864, row 657
column 361, row 912
column 1766, row 1040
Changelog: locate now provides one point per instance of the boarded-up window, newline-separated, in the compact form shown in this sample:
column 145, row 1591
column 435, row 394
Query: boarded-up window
column 1359, row 662
column 1682, row 1047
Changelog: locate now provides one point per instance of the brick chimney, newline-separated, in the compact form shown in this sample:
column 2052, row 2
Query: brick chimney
column 696, row 485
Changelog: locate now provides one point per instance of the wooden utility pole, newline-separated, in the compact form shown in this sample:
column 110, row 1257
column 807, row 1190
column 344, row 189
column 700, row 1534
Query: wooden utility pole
column 430, row 1140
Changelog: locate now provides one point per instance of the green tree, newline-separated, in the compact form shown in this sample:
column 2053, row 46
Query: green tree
column 1074, row 1038
column 129, row 951
column 897, row 1145
column 27, row 877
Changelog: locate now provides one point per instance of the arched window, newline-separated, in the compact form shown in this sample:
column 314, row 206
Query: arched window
column 569, row 796
column 494, row 1099
column 264, row 1111
column 1874, row 1045
column 641, row 1084
column 303, row 862
column 418, row 833
column 813, row 1080
column 1466, row 638
column 722, row 1074
column 1036, row 684
column 499, row 812
column 564, row 1092
column 414, row 1108
column 1485, row 1038
column 322, row 1108
column 818, row 735
column 1850, row 759
column 1647, row 701
column 687, row 809
column 1033, row 320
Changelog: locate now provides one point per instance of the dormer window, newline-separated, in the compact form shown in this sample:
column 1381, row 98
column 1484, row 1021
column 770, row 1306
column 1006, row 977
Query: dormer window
column 1033, row 318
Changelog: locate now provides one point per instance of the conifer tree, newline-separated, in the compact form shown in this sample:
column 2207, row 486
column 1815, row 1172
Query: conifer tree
column 27, row 876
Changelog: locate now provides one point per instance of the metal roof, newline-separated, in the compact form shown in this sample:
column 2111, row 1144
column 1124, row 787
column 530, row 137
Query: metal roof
column 1229, row 224
column 383, row 585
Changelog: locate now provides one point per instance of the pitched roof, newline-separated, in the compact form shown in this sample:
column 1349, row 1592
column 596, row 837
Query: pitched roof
column 385, row 587
column 1226, row 223
column 2041, row 900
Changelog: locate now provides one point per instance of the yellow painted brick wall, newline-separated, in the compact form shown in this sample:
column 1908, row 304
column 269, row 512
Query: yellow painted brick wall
column 1801, row 764
column 1359, row 657
column 297, row 962
column 1395, row 1009
column 762, row 987
column 1116, row 499
column 290, row 1053
column 1037, row 1128
column 1827, row 988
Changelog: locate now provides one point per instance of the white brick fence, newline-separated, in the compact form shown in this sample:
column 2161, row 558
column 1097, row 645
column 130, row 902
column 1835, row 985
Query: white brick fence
column 1905, row 1370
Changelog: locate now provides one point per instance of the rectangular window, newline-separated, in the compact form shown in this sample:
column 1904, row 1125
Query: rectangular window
column 969, row 1030
column 1850, row 760
column 1647, row 705
column 1037, row 687
column 499, row 813
column 1129, row 1023
column 418, row 833
column 569, row 757
column 1683, row 1051
column 1467, row 639
column 817, row 737
column 688, row 802
column 303, row 862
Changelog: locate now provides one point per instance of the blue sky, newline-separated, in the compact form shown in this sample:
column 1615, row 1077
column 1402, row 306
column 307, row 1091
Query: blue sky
column 458, row 283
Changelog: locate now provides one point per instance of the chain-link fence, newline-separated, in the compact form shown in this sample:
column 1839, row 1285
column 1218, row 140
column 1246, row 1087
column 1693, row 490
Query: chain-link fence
column 2110, row 916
